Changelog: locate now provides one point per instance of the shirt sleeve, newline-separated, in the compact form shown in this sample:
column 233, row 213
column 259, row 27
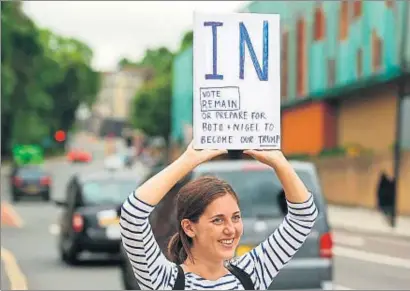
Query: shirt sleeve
column 151, row 268
column 265, row 261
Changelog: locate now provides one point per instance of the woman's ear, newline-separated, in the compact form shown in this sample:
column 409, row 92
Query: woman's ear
column 186, row 225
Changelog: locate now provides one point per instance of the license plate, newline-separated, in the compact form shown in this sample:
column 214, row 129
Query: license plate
column 113, row 232
column 241, row 250
column 107, row 217
column 32, row 190
column 103, row 222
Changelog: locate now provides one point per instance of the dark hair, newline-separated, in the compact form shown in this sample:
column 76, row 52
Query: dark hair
column 191, row 202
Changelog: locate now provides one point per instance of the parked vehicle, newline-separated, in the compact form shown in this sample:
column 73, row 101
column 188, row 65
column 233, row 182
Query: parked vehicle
column 263, row 207
column 79, row 156
column 30, row 180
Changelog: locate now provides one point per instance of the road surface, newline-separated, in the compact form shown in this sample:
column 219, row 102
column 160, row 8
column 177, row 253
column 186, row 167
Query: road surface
column 361, row 261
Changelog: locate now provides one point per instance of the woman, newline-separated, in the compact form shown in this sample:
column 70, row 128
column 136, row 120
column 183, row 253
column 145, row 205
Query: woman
column 210, row 227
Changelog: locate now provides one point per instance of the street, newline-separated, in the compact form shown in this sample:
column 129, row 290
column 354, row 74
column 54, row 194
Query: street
column 361, row 261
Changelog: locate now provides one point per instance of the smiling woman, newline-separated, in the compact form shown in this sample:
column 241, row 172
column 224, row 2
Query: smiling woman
column 209, row 229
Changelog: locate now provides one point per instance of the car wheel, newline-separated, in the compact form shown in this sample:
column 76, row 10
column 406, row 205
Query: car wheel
column 15, row 197
column 68, row 253
column 46, row 196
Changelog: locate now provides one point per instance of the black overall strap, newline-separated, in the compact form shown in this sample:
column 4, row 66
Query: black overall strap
column 242, row 276
column 180, row 280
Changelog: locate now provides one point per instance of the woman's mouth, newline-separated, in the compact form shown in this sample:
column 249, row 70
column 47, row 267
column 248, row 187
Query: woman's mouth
column 227, row 242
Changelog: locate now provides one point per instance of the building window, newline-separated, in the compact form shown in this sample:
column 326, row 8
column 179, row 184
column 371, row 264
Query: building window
column 284, row 66
column 359, row 62
column 357, row 9
column 377, row 46
column 331, row 69
column 319, row 24
column 344, row 20
column 301, row 57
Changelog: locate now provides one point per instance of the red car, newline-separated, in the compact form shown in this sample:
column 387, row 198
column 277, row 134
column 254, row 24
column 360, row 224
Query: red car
column 77, row 155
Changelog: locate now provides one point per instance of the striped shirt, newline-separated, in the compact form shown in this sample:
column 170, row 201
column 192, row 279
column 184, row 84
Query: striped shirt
column 155, row 272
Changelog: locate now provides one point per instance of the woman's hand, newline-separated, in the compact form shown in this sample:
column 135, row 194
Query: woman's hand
column 272, row 158
column 200, row 156
column 153, row 190
column 295, row 189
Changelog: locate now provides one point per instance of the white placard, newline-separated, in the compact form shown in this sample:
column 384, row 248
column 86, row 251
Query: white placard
column 236, row 81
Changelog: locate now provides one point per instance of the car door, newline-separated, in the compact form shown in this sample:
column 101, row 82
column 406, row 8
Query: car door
column 69, row 208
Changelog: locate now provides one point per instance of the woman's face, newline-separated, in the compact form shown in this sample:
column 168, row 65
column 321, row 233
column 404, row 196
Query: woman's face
column 219, row 229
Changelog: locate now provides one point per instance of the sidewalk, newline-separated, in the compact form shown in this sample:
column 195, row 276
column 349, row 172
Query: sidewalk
column 367, row 221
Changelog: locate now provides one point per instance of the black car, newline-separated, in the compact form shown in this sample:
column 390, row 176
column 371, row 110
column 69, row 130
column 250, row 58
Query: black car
column 163, row 225
column 89, row 220
column 30, row 180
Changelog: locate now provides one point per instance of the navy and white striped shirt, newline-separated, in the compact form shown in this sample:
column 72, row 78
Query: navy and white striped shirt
column 155, row 272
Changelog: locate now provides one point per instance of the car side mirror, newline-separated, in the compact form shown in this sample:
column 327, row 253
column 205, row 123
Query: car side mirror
column 60, row 203
column 281, row 200
column 118, row 211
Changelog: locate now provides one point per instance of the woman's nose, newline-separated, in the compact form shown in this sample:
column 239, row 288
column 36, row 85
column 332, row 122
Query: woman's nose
column 229, row 228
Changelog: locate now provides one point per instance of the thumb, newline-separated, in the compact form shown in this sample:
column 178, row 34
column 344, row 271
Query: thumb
column 223, row 151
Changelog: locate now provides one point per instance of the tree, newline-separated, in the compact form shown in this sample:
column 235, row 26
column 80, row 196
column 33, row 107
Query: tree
column 151, row 106
column 187, row 40
column 45, row 77
column 124, row 62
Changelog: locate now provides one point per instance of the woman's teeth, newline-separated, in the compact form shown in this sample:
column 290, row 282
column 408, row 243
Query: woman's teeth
column 226, row 241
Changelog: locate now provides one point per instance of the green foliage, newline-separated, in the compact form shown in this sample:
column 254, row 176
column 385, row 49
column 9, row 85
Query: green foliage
column 187, row 40
column 151, row 106
column 45, row 77
column 152, row 103
column 124, row 62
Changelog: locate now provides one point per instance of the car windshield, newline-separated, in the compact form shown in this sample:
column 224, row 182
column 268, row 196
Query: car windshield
column 31, row 173
column 258, row 190
column 107, row 192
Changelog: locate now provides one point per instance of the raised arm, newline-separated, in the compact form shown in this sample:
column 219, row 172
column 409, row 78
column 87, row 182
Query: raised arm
column 150, row 266
column 265, row 261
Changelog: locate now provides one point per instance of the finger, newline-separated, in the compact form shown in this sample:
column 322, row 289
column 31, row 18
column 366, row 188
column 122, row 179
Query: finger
column 220, row 152
column 249, row 152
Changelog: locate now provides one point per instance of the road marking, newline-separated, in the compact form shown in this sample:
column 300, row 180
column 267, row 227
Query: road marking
column 340, row 287
column 54, row 229
column 371, row 257
column 9, row 213
column 391, row 241
column 16, row 277
column 329, row 285
column 354, row 241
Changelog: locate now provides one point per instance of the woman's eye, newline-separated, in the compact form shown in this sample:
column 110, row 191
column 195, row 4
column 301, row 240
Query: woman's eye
column 217, row 220
column 236, row 218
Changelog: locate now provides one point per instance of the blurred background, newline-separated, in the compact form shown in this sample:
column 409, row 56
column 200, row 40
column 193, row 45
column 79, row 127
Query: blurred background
column 105, row 88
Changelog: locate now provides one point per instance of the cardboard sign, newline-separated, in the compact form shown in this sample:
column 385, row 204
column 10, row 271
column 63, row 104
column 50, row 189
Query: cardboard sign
column 236, row 81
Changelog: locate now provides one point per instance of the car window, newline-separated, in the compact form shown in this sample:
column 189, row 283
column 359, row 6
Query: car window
column 260, row 192
column 107, row 192
column 30, row 173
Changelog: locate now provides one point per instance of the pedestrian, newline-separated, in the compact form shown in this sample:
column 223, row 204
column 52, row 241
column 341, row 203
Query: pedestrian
column 385, row 194
column 201, row 253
